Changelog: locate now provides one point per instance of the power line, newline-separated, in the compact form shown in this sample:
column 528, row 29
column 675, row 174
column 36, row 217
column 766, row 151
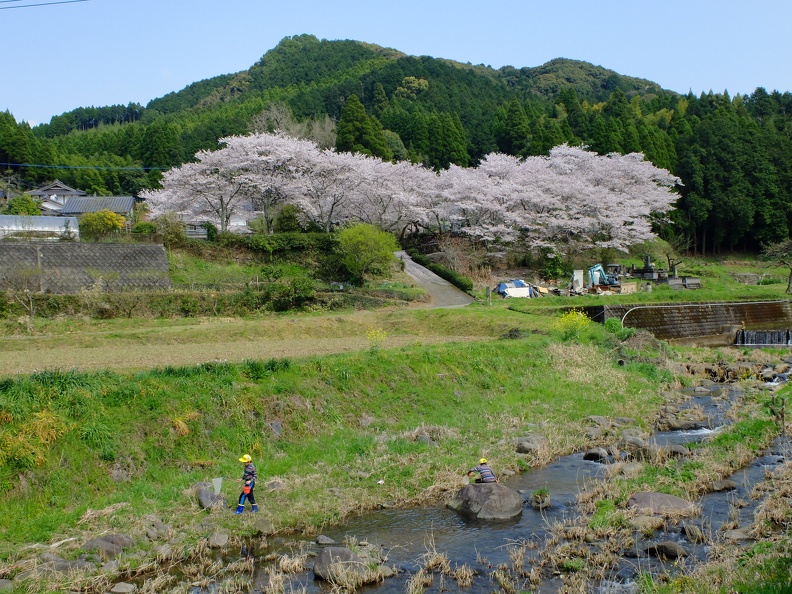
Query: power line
column 39, row 4
column 103, row 167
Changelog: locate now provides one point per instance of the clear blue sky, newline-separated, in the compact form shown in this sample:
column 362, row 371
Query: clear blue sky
column 102, row 52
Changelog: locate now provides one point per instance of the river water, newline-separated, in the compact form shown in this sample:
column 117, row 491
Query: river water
column 407, row 534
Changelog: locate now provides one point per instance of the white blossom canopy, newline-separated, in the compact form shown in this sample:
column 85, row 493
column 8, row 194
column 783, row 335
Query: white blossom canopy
column 570, row 198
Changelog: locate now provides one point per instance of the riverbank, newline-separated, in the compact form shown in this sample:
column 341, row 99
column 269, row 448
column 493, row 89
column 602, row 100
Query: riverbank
column 93, row 453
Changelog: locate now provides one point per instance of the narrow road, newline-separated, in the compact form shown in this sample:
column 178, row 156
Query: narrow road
column 442, row 293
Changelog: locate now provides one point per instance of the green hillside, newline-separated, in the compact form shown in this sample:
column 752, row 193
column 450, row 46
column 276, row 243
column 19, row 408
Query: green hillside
column 733, row 154
column 588, row 81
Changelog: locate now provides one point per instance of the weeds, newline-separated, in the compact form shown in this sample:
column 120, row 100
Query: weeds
column 572, row 324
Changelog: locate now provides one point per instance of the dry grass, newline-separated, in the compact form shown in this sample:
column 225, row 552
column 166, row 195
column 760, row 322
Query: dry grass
column 293, row 563
column 463, row 575
column 431, row 560
column 419, row 582
column 775, row 511
column 92, row 514
column 124, row 346
column 586, row 366
column 118, row 358
column 161, row 583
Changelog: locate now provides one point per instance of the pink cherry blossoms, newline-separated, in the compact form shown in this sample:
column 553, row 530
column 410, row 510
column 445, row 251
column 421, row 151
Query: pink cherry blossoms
column 570, row 199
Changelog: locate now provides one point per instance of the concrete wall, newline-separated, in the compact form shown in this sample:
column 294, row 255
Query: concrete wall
column 686, row 320
column 69, row 267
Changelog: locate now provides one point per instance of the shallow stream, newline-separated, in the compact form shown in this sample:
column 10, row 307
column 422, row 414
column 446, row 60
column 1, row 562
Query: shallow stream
column 407, row 534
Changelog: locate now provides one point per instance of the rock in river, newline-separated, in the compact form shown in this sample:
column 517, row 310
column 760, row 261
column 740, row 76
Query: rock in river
column 660, row 504
column 487, row 501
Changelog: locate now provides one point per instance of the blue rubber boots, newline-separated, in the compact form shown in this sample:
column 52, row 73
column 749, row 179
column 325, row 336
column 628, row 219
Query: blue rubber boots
column 241, row 508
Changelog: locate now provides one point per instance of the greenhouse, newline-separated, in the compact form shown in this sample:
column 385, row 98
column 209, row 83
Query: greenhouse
column 38, row 227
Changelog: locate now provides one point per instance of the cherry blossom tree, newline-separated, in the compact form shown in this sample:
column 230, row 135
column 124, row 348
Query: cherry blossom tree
column 207, row 188
column 268, row 165
column 570, row 199
column 388, row 197
column 249, row 176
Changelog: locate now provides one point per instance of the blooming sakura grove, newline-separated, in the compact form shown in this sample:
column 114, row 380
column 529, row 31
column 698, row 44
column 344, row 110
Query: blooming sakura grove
column 570, row 199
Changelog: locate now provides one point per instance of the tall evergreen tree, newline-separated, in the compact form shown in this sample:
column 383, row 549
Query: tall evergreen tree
column 359, row 133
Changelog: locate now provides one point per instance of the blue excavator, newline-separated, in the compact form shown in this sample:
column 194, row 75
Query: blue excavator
column 598, row 277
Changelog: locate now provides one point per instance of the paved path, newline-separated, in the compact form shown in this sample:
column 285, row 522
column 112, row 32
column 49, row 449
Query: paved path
column 442, row 293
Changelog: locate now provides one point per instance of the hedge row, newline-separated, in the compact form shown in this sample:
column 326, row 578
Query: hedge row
column 458, row 280
column 279, row 243
column 281, row 295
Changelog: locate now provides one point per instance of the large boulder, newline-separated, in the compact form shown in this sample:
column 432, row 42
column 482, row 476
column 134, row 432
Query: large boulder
column 207, row 498
column 724, row 485
column 738, row 534
column 218, row 540
column 52, row 564
column 596, row 455
column 661, row 504
column 334, row 563
column 108, row 545
column 533, row 443
column 264, row 526
column 487, row 501
column 667, row 549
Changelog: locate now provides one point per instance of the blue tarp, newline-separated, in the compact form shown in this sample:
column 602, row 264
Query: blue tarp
column 514, row 284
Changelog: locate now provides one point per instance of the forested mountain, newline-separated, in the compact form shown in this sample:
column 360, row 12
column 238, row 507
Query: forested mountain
column 734, row 154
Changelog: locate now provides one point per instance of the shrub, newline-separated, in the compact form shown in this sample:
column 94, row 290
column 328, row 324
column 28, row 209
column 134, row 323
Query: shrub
column 614, row 326
column 367, row 251
column 96, row 225
column 23, row 205
column 287, row 220
column 419, row 258
column 172, row 229
column 144, row 227
column 554, row 267
column 211, row 231
column 281, row 243
column 458, row 280
column 289, row 293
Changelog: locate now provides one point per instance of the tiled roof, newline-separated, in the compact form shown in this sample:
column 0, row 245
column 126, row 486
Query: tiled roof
column 80, row 205
column 56, row 187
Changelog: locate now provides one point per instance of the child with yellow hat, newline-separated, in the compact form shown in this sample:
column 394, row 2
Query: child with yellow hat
column 249, row 477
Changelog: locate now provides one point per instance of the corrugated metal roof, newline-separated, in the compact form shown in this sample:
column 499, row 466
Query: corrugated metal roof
column 16, row 223
column 81, row 204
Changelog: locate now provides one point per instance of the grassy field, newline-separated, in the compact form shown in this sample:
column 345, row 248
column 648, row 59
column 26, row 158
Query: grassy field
column 177, row 425
column 122, row 344
column 141, row 343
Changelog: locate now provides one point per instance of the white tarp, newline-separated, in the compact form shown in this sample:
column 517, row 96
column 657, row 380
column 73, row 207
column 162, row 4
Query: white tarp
column 517, row 292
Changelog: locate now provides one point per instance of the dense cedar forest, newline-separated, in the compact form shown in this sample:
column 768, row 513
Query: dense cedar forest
column 733, row 154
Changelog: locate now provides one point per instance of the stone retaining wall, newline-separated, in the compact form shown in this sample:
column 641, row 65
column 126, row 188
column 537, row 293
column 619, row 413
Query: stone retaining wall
column 686, row 320
column 69, row 267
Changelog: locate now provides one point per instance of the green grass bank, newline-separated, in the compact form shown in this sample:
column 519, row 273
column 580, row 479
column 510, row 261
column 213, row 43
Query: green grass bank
column 343, row 417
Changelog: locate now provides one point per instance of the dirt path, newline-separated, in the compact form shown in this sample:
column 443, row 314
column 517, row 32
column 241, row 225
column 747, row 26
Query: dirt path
column 442, row 293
